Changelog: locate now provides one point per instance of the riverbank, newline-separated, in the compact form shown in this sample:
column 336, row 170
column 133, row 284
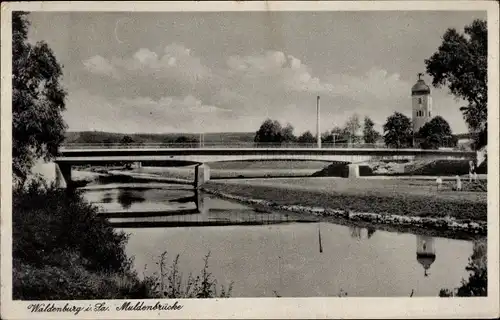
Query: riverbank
column 397, row 204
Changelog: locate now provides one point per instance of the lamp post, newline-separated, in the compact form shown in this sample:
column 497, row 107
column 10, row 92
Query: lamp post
column 318, row 130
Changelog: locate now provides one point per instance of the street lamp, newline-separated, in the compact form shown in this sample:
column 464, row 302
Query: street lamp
column 318, row 133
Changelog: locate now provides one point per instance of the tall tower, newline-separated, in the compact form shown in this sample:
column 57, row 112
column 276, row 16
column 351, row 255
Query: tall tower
column 421, row 101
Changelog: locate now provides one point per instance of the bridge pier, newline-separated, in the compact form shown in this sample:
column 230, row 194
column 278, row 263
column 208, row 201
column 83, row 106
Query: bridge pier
column 200, row 204
column 63, row 175
column 201, row 175
column 353, row 171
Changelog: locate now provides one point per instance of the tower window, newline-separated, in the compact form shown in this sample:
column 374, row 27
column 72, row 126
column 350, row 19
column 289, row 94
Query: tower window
column 419, row 100
column 429, row 113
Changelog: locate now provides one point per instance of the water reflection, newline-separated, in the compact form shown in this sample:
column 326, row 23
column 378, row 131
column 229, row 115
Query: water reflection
column 359, row 233
column 107, row 198
column 127, row 197
column 294, row 259
column 426, row 252
column 133, row 207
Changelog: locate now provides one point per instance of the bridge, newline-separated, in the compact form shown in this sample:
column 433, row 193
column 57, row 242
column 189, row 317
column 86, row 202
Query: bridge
column 71, row 155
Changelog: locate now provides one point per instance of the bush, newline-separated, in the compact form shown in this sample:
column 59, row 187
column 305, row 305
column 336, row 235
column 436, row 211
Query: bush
column 477, row 284
column 50, row 221
column 62, row 248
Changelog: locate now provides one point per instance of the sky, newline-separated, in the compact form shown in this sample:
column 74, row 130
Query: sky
column 166, row 72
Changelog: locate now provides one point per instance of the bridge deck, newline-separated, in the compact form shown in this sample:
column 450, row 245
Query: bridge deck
column 74, row 153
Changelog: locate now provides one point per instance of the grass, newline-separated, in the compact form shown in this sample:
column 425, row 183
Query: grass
column 400, row 197
column 171, row 283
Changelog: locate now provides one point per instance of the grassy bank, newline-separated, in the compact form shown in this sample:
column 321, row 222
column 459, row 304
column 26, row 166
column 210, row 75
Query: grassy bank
column 398, row 197
column 64, row 250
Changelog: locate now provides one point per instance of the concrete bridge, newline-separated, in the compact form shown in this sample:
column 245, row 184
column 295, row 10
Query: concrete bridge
column 69, row 157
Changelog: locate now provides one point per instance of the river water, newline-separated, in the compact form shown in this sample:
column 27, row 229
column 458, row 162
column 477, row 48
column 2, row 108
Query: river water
column 269, row 253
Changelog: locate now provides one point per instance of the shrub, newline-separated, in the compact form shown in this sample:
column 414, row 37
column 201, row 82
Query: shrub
column 62, row 248
column 477, row 284
column 49, row 221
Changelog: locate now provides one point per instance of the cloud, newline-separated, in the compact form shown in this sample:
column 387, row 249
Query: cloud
column 100, row 66
column 176, row 91
column 175, row 71
column 141, row 114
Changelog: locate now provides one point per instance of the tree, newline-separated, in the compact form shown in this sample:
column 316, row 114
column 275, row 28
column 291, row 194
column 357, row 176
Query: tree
column 370, row 135
column 306, row 137
column 336, row 135
column 477, row 284
column 184, row 139
column 461, row 64
column 352, row 127
column 287, row 133
column 127, row 140
column 38, row 100
column 397, row 131
column 269, row 132
column 435, row 134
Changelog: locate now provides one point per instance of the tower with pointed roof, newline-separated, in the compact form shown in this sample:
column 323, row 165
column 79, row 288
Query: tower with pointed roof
column 426, row 252
column 421, row 104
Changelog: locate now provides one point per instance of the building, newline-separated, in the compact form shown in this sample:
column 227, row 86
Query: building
column 421, row 104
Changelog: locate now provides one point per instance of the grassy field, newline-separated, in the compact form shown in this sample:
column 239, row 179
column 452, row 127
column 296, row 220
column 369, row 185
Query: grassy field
column 392, row 196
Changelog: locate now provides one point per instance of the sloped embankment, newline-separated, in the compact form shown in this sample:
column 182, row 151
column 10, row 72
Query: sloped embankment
column 437, row 167
column 413, row 168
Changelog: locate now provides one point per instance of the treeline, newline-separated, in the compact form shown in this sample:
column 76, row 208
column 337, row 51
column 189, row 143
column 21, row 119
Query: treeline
column 96, row 137
column 398, row 133
column 271, row 131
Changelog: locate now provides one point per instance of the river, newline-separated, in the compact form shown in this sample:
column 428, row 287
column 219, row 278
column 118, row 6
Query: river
column 271, row 253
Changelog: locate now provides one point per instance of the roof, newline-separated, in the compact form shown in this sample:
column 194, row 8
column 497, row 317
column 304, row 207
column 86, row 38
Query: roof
column 420, row 88
column 426, row 260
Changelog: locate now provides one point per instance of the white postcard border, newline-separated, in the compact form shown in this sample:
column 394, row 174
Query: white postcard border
column 264, row 307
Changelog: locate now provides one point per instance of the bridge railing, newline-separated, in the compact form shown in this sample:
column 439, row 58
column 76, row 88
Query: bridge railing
column 216, row 145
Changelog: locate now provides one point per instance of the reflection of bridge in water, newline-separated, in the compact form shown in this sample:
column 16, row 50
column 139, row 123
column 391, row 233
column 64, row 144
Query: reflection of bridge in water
column 196, row 213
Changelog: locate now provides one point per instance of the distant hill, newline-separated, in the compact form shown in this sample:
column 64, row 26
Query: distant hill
column 110, row 137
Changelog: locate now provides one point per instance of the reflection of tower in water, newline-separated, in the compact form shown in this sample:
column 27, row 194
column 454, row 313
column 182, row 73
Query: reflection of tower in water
column 426, row 252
